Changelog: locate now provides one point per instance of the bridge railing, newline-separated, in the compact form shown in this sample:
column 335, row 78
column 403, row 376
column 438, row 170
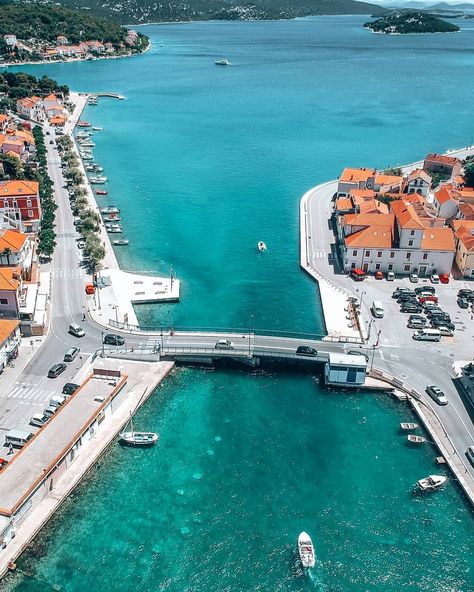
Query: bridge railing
column 165, row 330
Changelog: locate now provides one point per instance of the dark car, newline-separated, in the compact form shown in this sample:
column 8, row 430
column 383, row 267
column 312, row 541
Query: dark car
column 70, row 388
column 434, row 311
column 406, row 298
column 465, row 292
column 397, row 293
column 463, row 302
column 435, row 323
column 411, row 307
column 421, row 289
column 113, row 339
column 56, row 370
column 305, row 350
column 417, row 317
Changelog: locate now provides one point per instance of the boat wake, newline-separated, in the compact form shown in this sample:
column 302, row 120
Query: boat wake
column 315, row 576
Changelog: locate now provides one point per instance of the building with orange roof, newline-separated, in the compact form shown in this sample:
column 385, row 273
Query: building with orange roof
column 446, row 201
column 16, row 249
column 31, row 107
column 418, row 181
column 466, row 195
column 354, row 179
column 20, row 205
column 10, row 339
column 58, row 120
column 5, row 123
column 465, row 211
column 10, row 287
column 386, row 183
column 448, row 166
column 464, row 238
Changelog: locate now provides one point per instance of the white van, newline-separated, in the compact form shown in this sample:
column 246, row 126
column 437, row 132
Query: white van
column 57, row 401
column 377, row 309
column 17, row 438
column 427, row 335
column 76, row 330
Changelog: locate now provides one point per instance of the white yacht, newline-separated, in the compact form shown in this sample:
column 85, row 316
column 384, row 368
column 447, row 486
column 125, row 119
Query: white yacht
column 110, row 210
column 97, row 128
column 132, row 438
column 306, row 550
column 222, row 63
column 432, row 482
column 113, row 228
column 98, row 180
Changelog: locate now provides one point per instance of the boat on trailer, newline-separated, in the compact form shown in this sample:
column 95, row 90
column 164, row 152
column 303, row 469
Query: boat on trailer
column 408, row 426
column 432, row 482
column 415, row 439
column 306, row 550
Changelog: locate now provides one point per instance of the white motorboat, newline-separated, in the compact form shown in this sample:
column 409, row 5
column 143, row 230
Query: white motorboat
column 261, row 246
column 90, row 168
column 98, row 168
column 98, row 180
column 110, row 210
column 222, row 63
column 415, row 439
column 133, row 438
column 432, row 482
column 306, row 550
column 87, row 157
column 113, row 228
column 408, row 426
column 93, row 100
column 83, row 135
column 120, row 242
column 87, row 144
column 112, row 218
column 97, row 128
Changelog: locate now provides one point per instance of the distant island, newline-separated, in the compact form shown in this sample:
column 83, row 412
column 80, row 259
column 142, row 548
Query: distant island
column 150, row 11
column 39, row 32
column 405, row 22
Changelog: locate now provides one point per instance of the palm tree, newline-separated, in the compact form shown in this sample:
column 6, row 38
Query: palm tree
column 6, row 253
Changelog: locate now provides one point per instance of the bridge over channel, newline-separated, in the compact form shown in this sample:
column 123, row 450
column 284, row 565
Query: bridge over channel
column 250, row 348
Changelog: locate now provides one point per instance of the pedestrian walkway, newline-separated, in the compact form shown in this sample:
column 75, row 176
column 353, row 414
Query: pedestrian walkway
column 28, row 392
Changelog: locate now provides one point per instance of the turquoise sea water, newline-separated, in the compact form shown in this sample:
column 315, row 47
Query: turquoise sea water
column 204, row 162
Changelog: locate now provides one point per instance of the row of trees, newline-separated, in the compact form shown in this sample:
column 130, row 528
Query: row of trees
column 47, row 234
column 469, row 171
column 90, row 220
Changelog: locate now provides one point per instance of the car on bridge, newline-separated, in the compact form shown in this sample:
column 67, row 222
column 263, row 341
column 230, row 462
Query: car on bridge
column 306, row 350
column 224, row 344
column 113, row 339
column 437, row 394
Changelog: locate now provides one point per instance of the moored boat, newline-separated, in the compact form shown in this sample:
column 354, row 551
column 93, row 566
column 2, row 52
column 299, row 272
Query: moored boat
column 113, row 228
column 101, row 192
column 432, row 482
column 408, row 426
column 261, row 246
column 109, row 209
column 83, row 124
column 415, row 439
column 97, row 128
column 306, row 550
column 139, row 438
column 98, row 180
column 112, row 218
column 119, row 242
column 222, row 63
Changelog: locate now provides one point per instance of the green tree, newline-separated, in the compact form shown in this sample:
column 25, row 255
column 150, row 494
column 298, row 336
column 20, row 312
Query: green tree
column 469, row 174
column 7, row 252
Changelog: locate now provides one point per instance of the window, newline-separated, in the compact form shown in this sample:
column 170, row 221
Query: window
column 408, row 256
column 390, row 267
column 410, row 243
column 379, row 253
column 354, row 253
column 3, row 301
column 353, row 266
column 407, row 268
column 392, row 254
column 367, row 254
column 425, row 256
column 412, row 233
column 30, row 213
column 377, row 266
column 28, row 203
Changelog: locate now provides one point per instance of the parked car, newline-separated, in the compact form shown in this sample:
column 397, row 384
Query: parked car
column 306, row 350
column 416, row 317
column 428, row 298
column 71, row 354
column 38, row 420
column 437, row 323
column 470, row 455
column 424, row 290
column 414, row 278
column 434, row 278
column 466, row 293
column 357, row 274
column 445, row 330
column 431, row 311
column 411, row 307
column 444, row 278
column 463, row 303
column 407, row 298
column 50, row 411
column 70, row 388
column 378, row 275
column 417, row 323
column 390, row 276
column 396, row 293
column 114, row 339
column 437, row 394
column 56, row 370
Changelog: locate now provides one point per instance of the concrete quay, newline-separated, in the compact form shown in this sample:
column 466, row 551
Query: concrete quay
column 31, row 504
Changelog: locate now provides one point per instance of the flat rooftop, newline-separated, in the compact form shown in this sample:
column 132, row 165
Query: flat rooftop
column 28, row 467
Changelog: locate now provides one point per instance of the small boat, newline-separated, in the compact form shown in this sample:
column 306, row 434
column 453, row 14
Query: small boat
column 90, row 168
column 83, row 135
column 408, row 426
column 119, row 242
column 261, row 246
column 306, row 550
column 432, row 482
column 222, row 63
column 98, row 168
column 97, row 128
column 110, row 210
column 101, row 192
column 132, row 438
column 87, row 144
column 93, row 100
column 415, row 439
column 113, row 228
column 98, row 180
column 87, row 157
column 83, row 124
column 112, row 218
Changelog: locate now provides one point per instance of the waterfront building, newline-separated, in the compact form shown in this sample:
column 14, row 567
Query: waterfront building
column 446, row 201
column 354, row 179
column 16, row 250
column 448, row 166
column 418, row 181
column 10, row 288
column 31, row 107
column 464, row 237
column 20, row 205
column 61, row 40
column 11, row 43
column 10, row 339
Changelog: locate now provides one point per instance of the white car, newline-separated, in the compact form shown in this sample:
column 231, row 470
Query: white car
column 434, row 278
column 414, row 278
column 39, row 419
column 437, row 395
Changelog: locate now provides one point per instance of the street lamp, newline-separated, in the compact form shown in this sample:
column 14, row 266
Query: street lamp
column 361, row 297
column 373, row 349
column 250, row 330
column 170, row 320
column 115, row 307
column 103, row 349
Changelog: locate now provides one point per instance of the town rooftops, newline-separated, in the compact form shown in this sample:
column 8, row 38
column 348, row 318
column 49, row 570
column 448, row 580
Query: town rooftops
column 419, row 173
column 29, row 102
column 467, row 193
column 7, row 327
column 442, row 159
column 9, row 278
column 362, row 193
column 466, row 211
column 372, row 237
column 369, row 219
column 465, row 233
column 445, row 193
column 381, row 179
column 438, row 239
column 406, row 215
column 16, row 188
column 356, row 175
column 12, row 239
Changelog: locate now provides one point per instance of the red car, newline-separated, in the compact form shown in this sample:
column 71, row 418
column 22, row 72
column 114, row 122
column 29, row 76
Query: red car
column 378, row 275
column 357, row 274
column 428, row 298
column 444, row 278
